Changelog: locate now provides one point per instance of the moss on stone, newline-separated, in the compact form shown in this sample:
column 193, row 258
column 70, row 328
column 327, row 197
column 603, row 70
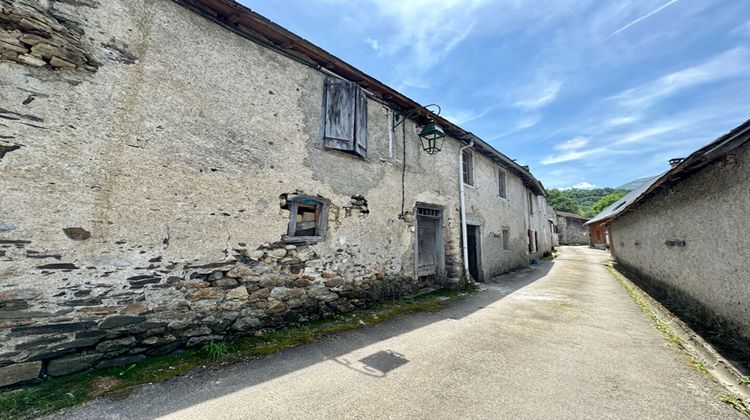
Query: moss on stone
column 60, row 393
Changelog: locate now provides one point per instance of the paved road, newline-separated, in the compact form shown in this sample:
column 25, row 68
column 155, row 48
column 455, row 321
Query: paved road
column 560, row 341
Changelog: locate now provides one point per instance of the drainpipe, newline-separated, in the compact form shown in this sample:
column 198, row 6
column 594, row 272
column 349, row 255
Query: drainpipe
column 464, row 245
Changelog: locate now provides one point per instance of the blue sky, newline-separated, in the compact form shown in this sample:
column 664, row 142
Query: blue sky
column 586, row 92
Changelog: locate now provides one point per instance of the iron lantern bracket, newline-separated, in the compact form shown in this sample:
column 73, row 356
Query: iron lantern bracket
column 399, row 118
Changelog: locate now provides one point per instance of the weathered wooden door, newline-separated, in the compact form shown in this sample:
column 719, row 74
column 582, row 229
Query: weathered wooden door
column 428, row 241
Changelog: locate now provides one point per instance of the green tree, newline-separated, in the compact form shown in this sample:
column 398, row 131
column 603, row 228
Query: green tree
column 559, row 201
column 605, row 202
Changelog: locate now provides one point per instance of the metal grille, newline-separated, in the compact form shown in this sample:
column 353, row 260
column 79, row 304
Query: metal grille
column 433, row 213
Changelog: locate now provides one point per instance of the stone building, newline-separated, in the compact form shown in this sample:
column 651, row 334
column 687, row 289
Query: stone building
column 571, row 229
column 176, row 172
column 685, row 237
column 598, row 227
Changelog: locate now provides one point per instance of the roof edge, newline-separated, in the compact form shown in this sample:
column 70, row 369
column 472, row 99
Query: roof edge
column 697, row 160
column 259, row 29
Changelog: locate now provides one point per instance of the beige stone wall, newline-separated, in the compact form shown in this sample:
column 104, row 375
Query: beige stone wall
column 165, row 167
column 706, row 278
column 492, row 213
column 140, row 196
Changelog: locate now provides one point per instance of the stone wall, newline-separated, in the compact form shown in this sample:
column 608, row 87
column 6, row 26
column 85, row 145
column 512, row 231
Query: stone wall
column 686, row 245
column 38, row 34
column 102, row 325
column 141, row 190
column 493, row 213
column 572, row 231
column 138, row 193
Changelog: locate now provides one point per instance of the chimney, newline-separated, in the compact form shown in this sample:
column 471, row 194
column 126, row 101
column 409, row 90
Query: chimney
column 676, row 161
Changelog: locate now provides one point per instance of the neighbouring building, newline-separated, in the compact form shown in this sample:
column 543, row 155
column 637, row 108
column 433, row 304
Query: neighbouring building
column 598, row 230
column 177, row 172
column 685, row 237
column 571, row 229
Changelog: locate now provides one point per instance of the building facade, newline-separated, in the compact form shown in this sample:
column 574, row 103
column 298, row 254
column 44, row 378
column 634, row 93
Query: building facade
column 176, row 173
column 684, row 236
column 571, row 228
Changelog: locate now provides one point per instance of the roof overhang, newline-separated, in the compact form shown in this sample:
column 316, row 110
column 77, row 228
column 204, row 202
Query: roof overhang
column 693, row 163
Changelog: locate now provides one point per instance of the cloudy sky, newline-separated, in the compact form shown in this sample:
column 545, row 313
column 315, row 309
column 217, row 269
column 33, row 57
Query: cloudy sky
column 586, row 92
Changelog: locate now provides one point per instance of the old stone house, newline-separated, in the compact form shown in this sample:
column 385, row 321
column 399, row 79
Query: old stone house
column 684, row 236
column 598, row 227
column 176, row 172
column 571, row 229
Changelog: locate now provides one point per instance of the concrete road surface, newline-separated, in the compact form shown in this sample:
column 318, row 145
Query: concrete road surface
column 561, row 341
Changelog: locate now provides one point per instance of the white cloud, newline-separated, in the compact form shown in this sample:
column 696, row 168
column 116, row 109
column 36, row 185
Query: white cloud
column 735, row 62
column 612, row 122
column 573, row 144
column 428, row 43
column 374, row 44
column 527, row 122
column 648, row 132
column 539, row 94
column 571, row 155
column 742, row 30
column 583, row 186
column 644, row 17
column 459, row 117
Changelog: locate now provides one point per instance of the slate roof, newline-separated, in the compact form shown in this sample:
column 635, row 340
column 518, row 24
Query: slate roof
column 622, row 203
column 697, row 160
column 691, row 164
column 570, row 215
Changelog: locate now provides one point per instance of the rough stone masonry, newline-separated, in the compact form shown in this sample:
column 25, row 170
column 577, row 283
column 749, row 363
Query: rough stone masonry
column 140, row 183
column 166, row 180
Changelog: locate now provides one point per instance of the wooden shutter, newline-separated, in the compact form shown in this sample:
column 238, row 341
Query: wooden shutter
column 360, row 135
column 345, row 117
column 339, row 115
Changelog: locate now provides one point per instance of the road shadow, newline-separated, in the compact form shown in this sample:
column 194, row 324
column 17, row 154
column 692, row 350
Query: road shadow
column 203, row 385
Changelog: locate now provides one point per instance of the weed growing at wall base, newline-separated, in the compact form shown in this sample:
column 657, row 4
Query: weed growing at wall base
column 734, row 400
column 216, row 350
column 68, row 391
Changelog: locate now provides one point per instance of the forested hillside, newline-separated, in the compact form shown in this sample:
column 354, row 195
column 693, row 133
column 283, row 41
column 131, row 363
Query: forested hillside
column 584, row 202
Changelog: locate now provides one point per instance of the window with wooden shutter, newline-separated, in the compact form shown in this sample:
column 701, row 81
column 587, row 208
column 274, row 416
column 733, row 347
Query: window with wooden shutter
column 345, row 119
column 501, row 190
column 308, row 218
column 468, row 160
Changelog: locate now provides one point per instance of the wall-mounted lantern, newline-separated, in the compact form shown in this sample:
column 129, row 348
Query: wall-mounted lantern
column 431, row 136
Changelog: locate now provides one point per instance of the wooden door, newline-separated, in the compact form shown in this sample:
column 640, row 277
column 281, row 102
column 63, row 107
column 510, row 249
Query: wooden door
column 428, row 240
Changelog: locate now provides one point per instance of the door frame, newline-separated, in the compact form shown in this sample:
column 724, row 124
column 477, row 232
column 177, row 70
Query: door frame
column 478, row 247
column 440, row 240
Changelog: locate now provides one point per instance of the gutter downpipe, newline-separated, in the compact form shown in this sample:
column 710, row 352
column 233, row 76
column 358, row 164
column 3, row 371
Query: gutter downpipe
column 464, row 245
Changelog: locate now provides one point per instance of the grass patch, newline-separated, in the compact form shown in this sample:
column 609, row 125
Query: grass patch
column 698, row 365
column 732, row 399
column 59, row 393
column 736, row 402
column 660, row 325
column 216, row 350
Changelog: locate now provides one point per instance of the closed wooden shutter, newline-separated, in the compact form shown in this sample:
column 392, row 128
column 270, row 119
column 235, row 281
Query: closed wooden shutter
column 339, row 123
column 360, row 146
column 345, row 117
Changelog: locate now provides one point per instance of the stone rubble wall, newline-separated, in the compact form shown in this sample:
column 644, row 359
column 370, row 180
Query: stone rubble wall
column 33, row 35
column 276, row 285
column 135, row 194
column 572, row 231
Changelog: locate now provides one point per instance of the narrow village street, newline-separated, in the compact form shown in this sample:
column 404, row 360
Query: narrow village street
column 563, row 340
